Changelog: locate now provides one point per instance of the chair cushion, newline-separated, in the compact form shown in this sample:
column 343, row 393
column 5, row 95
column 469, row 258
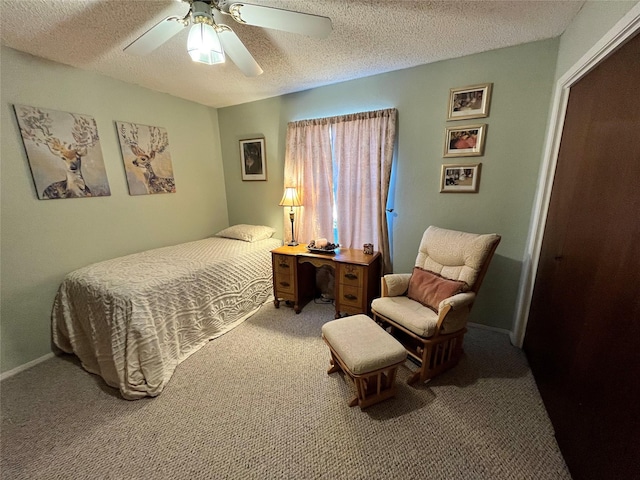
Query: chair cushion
column 455, row 255
column 362, row 344
column 430, row 289
column 410, row 314
column 396, row 284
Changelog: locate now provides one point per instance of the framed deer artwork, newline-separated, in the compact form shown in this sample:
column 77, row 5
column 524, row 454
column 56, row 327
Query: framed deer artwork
column 64, row 154
column 147, row 161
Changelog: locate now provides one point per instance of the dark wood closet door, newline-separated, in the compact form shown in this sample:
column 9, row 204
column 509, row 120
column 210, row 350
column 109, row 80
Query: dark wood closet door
column 583, row 332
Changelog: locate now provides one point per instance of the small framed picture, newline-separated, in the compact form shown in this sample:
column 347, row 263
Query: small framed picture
column 253, row 159
column 469, row 102
column 465, row 141
column 460, row 178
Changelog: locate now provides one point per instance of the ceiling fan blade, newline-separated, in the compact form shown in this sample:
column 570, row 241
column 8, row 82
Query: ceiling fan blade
column 155, row 36
column 278, row 19
column 237, row 52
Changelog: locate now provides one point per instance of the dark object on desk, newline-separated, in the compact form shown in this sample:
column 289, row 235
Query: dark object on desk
column 321, row 250
column 328, row 248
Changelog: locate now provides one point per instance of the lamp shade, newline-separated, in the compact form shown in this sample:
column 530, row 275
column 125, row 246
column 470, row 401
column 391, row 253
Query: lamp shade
column 290, row 198
column 204, row 45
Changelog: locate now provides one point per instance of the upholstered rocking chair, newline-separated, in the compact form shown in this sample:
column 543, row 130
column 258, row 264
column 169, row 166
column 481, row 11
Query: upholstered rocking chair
column 427, row 310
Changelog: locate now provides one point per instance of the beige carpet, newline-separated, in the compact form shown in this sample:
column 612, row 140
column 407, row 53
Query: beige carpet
column 257, row 403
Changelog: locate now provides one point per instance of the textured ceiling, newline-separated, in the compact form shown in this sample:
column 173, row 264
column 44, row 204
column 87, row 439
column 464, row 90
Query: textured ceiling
column 368, row 37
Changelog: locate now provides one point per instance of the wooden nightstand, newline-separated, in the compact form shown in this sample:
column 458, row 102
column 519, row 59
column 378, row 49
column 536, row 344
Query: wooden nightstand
column 357, row 277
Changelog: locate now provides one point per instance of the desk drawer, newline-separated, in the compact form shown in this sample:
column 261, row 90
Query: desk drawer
column 351, row 275
column 284, row 264
column 349, row 295
column 284, row 282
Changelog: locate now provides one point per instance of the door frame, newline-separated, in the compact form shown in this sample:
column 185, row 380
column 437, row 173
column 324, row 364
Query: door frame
column 622, row 31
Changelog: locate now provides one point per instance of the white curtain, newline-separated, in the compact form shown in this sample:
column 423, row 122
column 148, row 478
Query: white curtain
column 308, row 167
column 363, row 153
column 363, row 145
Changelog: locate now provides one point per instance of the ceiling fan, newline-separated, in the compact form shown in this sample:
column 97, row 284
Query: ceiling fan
column 210, row 40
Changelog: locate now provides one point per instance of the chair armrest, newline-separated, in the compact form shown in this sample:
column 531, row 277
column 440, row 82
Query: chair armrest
column 395, row 284
column 457, row 301
column 453, row 312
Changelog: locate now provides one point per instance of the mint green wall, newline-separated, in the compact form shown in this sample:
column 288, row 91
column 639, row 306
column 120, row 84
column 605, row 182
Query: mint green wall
column 591, row 23
column 42, row 240
column 523, row 80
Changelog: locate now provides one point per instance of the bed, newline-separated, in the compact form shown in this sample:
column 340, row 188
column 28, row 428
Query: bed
column 133, row 319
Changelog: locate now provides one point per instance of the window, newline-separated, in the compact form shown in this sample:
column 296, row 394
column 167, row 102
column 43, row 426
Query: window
column 342, row 168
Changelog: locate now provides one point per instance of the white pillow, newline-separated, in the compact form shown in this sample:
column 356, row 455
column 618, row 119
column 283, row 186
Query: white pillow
column 247, row 233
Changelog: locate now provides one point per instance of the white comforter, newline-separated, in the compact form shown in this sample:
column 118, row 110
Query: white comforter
column 133, row 319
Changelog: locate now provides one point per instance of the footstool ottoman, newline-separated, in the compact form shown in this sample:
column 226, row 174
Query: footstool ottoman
column 365, row 352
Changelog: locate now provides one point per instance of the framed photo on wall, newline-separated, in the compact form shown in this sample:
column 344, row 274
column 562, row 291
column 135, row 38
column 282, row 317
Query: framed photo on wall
column 469, row 102
column 465, row 141
column 460, row 178
column 253, row 159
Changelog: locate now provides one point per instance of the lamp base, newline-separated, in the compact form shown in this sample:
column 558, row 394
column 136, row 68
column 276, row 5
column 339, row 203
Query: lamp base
column 293, row 244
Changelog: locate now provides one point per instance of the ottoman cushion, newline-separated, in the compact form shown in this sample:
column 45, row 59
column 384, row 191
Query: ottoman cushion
column 362, row 344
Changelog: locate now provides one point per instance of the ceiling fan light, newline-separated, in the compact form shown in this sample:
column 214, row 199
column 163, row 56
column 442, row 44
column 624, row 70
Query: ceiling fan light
column 204, row 45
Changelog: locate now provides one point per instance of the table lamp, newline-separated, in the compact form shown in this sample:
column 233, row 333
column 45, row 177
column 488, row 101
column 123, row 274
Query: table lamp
column 291, row 199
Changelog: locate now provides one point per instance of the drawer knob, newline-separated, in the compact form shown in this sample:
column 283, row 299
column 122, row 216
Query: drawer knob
column 285, row 284
column 351, row 276
column 284, row 265
column 348, row 296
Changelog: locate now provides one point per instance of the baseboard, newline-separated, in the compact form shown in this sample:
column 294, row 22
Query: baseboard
column 487, row 327
column 33, row 363
column 26, row 366
column 510, row 333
